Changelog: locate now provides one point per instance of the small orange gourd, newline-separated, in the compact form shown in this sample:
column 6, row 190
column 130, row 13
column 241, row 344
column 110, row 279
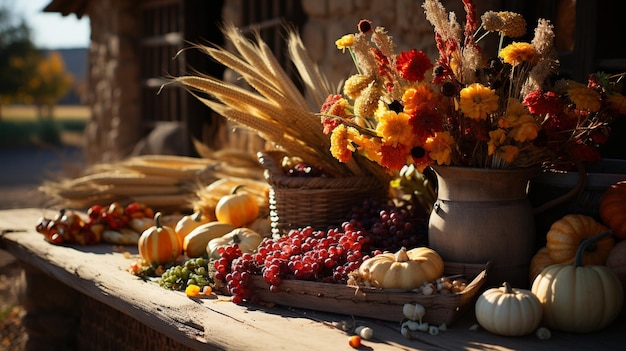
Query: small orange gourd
column 566, row 234
column 613, row 208
column 159, row 244
column 237, row 208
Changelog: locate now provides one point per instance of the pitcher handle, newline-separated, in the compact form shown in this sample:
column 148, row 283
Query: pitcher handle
column 580, row 185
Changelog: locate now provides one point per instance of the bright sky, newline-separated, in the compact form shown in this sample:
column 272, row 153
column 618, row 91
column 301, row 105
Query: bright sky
column 51, row 30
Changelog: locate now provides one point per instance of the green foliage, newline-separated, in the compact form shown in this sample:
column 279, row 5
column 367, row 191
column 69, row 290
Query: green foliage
column 18, row 55
column 26, row 133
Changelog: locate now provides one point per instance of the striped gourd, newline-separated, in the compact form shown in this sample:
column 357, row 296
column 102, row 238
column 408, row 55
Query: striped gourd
column 159, row 244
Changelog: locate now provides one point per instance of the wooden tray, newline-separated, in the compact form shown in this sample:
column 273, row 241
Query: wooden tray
column 376, row 303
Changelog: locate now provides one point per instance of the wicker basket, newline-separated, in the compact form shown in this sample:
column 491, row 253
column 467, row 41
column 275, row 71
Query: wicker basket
column 319, row 202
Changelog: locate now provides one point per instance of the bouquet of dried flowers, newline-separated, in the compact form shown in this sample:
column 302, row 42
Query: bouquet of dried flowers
column 467, row 109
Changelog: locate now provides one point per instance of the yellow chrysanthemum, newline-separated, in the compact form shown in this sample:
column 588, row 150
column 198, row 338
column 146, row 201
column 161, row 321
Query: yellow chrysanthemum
column 419, row 97
column 345, row 42
column 477, row 101
column 340, row 144
column 439, row 147
column 496, row 138
column 584, row 98
column 516, row 53
column 394, row 128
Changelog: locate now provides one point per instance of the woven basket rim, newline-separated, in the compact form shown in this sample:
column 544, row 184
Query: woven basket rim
column 270, row 160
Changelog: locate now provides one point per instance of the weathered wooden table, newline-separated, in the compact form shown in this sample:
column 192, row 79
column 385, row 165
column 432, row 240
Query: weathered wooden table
column 85, row 295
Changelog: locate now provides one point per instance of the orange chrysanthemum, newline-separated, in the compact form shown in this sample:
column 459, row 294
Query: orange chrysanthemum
column 420, row 97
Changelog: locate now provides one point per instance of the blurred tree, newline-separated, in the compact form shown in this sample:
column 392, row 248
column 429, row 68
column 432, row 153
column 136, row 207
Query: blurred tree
column 50, row 83
column 18, row 56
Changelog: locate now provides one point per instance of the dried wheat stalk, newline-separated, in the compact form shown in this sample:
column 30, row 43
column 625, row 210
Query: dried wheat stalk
column 276, row 109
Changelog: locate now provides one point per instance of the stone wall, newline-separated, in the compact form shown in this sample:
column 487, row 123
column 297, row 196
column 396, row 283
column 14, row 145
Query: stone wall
column 114, row 81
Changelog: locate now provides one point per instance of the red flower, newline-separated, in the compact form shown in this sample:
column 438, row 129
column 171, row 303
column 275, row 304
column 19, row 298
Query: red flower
column 425, row 122
column 334, row 105
column 541, row 102
column 394, row 157
column 413, row 65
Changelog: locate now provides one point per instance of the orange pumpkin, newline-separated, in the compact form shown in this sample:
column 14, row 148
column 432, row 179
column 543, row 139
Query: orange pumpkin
column 541, row 260
column 566, row 234
column 159, row 244
column 613, row 208
column 237, row 208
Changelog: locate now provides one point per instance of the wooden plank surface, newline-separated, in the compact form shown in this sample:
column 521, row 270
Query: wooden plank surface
column 100, row 273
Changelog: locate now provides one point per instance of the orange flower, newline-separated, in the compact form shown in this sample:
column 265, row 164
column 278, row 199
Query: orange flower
column 477, row 101
column 340, row 145
column 439, row 147
column 420, row 97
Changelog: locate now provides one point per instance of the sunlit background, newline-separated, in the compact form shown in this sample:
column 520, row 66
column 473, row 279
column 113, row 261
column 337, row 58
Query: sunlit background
column 51, row 30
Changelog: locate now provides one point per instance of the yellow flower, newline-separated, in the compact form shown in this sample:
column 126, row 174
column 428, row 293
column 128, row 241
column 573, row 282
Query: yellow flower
column 477, row 101
column 584, row 98
column 394, row 128
column 527, row 130
column 340, row 145
column 345, row 42
column 516, row 115
column 508, row 153
column 516, row 53
column 496, row 138
column 439, row 147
